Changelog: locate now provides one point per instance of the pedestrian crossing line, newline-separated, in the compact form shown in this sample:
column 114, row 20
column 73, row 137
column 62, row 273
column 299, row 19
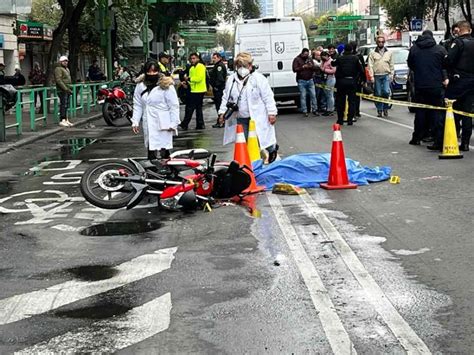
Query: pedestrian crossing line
column 110, row 335
column 334, row 329
column 399, row 327
column 26, row 305
column 394, row 123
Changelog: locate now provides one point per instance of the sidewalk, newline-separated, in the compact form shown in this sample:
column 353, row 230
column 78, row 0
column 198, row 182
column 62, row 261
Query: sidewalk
column 14, row 141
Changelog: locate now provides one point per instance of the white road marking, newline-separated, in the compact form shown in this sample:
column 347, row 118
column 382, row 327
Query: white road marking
column 394, row 123
column 410, row 252
column 26, row 305
column 399, row 327
column 66, row 228
column 331, row 323
column 386, row 120
column 110, row 335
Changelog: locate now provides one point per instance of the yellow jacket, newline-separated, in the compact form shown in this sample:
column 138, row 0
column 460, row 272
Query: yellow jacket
column 197, row 78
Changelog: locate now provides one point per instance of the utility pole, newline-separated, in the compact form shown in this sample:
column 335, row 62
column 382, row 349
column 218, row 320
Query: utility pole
column 105, row 28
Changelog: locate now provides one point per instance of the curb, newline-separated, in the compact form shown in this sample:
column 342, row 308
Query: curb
column 23, row 142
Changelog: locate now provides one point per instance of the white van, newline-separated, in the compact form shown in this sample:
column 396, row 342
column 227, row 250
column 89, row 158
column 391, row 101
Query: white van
column 274, row 43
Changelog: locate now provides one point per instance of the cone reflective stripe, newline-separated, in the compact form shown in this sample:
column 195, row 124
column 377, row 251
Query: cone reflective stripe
column 338, row 178
column 241, row 155
column 252, row 145
column 346, row 110
column 450, row 140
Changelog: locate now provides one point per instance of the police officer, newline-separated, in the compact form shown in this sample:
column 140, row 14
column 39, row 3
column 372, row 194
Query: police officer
column 446, row 43
column 461, row 79
column 218, row 78
column 163, row 61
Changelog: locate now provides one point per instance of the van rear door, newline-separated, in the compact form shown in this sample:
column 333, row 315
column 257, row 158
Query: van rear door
column 255, row 39
column 287, row 43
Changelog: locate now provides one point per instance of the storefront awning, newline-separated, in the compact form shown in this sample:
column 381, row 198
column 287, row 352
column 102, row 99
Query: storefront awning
column 34, row 31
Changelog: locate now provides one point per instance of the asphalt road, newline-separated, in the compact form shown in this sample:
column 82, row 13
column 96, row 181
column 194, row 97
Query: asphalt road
column 386, row 268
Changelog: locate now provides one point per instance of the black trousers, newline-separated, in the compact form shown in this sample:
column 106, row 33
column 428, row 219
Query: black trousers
column 357, row 100
column 429, row 121
column 194, row 103
column 466, row 104
column 218, row 93
column 345, row 89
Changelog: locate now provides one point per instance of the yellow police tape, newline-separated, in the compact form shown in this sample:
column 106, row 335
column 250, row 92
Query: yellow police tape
column 398, row 102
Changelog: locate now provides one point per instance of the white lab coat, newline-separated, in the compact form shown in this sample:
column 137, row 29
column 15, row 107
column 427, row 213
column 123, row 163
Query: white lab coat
column 159, row 112
column 261, row 104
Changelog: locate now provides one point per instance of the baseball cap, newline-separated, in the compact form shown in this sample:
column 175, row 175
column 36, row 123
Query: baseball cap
column 63, row 58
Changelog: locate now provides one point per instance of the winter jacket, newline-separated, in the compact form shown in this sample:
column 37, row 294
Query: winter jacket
column 381, row 64
column 218, row 76
column 327, row 67
column 37, row 77
column 62, row 77
column 426, row 60
column 303, row 73
column 348, row 67
column 197, row 78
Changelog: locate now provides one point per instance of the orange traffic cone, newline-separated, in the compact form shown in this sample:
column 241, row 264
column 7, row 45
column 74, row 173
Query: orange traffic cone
column 338, row 178
column 241, row 155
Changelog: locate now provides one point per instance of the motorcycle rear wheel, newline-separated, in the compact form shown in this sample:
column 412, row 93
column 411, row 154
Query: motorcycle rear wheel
column 100, row 189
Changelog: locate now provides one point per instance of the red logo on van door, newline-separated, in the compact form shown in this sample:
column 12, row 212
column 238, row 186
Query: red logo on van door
column 280, row 47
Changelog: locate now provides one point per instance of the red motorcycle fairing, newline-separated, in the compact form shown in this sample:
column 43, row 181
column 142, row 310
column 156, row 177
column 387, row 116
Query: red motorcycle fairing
column 202, row 184
column 119, row 93
column 183, row 163
column 172, row 191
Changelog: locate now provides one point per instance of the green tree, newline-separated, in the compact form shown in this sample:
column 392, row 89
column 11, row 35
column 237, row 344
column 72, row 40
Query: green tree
column 225, row 39
column 329, row 28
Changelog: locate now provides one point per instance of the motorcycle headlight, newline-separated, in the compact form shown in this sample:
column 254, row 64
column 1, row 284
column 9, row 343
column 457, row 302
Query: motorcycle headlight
column 401, row 78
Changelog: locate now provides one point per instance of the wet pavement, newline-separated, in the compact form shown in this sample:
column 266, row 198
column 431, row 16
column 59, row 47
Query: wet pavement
column 382, row 269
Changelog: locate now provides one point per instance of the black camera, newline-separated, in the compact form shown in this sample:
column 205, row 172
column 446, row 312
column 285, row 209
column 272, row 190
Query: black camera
column 231, row 108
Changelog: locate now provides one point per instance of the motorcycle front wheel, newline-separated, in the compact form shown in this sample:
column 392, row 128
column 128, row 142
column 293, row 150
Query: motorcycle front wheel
column 108, row 112
column 100, row 188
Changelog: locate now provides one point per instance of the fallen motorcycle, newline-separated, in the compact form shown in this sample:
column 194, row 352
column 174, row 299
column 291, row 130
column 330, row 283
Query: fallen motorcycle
column 115, row 105
column 184, row 181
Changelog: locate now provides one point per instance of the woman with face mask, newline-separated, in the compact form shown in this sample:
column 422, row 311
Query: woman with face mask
column 156, row 107
column 247, row 95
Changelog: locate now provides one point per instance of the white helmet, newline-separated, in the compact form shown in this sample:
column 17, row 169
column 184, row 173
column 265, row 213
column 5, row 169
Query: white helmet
column 63, row 58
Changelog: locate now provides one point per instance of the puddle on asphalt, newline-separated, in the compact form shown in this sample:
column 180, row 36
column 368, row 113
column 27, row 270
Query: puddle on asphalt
column 99, row 311
column 93, row 272
column 72, row 146
column 120, row 228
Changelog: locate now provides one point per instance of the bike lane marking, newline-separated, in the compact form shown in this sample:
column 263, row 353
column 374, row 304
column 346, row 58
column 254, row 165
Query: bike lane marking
column 399, row 327
column 334, row 329
column 26, row 305
column 111, row 335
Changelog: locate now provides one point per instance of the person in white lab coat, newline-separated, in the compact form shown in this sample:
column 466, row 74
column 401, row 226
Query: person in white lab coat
column 247, row 95
column 156, row 106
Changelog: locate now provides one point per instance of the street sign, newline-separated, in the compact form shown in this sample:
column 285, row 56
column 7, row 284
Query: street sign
column 319, row 38
column 416, row 24
column 349, row 18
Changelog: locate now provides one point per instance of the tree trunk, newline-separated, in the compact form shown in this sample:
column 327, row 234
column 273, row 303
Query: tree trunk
column 466, row 10
column 435, row 17
column 70, row 13
column 74, row 47
column 446, row 19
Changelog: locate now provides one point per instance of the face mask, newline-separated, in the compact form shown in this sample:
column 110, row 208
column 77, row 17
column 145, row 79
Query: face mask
column 243, row 72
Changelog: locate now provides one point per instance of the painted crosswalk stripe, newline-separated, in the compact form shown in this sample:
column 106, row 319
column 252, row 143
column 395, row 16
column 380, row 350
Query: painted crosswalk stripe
column 26, row 305
column 334, row 329
column 110, row 335
column 399, row 327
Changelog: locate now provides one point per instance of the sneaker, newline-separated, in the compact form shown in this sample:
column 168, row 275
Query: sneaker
column 427, row 140
column 385, row 113
column 464, row 147
column 350, row 123
column 183, row 128
column 315, row 113
column 217, row 125
column 354, row 119
column 273, row 155
column 70, row 123
column 435, row 147
column 64, row 123
column 379, row 113
column 414, row 142
column 305, row 114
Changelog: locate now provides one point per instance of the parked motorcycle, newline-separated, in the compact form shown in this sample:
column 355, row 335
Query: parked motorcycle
column 114, row 105
column 116, row 184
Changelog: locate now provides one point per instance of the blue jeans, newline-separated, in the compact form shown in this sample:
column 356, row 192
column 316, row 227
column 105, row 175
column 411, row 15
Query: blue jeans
column 305, row 87
column 330, row 82
column 320, row 96
column 382, row 89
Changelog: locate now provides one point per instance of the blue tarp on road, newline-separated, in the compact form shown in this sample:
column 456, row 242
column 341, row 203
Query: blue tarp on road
column 311, row 169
